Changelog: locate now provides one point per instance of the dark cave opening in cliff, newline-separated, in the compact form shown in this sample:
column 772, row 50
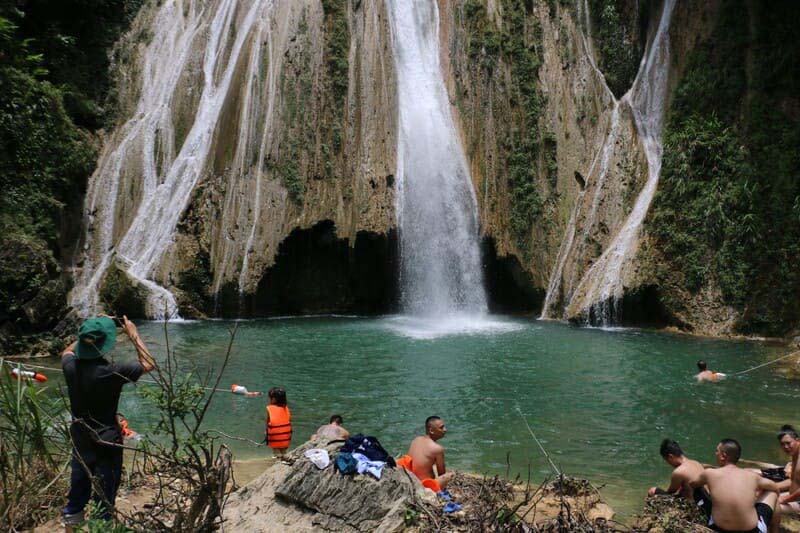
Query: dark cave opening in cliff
column 510, row 289
column 641, row 308
column 317, row 272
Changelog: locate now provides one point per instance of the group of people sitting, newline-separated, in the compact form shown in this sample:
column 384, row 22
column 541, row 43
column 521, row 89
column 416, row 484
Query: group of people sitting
column 425, row 457
column 735, row 498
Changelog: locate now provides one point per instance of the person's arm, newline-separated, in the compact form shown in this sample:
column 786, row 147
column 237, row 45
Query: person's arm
column 758, row 463
column 786, row 498
column 701, row 480
column 785, row 485
column 675, row 483
column 266, row 425
column 770, row 486
column 440, row 471
column 145, row 359
column 69, row 349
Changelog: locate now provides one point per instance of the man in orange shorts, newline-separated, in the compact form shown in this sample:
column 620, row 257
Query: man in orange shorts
column 425, row 453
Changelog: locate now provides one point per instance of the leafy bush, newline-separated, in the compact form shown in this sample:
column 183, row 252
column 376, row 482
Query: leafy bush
column 726, row 210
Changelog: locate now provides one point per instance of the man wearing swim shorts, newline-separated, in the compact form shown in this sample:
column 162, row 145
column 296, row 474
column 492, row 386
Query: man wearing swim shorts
column 740, row 499
column 789, row 501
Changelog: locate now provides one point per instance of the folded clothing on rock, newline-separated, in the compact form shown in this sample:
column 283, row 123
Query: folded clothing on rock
column 369, row 447
column 346, row 464
column 370, row 467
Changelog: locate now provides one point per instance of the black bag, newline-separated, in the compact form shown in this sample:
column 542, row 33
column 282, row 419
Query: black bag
column 369, row 447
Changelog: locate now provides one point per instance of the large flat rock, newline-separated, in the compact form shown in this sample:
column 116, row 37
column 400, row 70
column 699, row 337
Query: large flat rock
column 300, row 497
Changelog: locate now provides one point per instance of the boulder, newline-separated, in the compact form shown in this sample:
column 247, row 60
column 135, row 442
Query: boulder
column 294, row 494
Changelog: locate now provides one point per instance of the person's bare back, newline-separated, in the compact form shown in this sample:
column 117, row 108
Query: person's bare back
column 425, row 452
column 733, row 496
column 332, row 431
column 685, row 474
column 685, row 471
column 741, row 500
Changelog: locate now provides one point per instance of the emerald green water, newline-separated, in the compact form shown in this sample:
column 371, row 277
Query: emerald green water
column 600, row 401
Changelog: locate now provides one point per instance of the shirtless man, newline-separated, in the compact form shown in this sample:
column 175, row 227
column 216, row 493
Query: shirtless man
column 685, row 471
column 789, row 500
column 740, row 500
column 782, row 475
column 707, row 375
column 426, row 453
column 333, row 430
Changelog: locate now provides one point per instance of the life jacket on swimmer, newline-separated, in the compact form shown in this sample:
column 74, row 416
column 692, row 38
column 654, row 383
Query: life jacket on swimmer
column 279, row 428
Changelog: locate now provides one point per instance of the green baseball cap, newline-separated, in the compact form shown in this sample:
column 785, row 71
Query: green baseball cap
column 96, row 337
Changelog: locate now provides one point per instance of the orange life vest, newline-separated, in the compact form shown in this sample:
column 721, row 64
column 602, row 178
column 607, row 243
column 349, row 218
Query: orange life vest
column 279, row 428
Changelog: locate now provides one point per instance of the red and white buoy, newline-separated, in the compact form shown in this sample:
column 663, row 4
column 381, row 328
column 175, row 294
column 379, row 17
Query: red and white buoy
column 27, row 375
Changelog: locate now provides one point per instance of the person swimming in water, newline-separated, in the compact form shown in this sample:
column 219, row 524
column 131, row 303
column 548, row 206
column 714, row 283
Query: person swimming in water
column 707, row 375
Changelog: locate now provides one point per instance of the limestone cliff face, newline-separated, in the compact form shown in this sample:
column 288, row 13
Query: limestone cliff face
column 256, row 149
column 271, row 116
column 553, row 187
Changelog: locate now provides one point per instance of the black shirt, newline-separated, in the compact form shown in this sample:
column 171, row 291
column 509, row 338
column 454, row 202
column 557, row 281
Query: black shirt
column 94, row 387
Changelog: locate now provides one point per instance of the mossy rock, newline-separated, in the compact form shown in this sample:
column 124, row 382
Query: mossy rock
column 122, row 294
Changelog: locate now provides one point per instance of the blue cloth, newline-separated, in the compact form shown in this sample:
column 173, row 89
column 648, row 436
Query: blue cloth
column 444, row 495
column 346, row 464
column 371, row 467
column 452, row 507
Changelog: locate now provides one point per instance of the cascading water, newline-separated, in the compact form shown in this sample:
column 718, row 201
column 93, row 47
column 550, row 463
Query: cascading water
column 601, row 287
column 441, row 272
column 142, row 153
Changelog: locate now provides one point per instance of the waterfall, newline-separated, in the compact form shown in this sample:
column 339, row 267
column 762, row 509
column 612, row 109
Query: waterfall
column 441, row 272
column 601, row 287
column 142, row 154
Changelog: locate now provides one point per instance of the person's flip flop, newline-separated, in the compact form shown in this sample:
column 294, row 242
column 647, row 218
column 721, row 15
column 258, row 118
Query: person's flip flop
column 452, row 507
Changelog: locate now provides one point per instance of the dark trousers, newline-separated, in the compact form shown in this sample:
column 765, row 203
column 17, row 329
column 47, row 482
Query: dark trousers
column 104, row 465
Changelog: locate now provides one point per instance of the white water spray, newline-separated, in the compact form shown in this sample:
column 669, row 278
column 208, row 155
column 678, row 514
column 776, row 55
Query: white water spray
column 219, row 31
column 441, row 272
column 601, row 287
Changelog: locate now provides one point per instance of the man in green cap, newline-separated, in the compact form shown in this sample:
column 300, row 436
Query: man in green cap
column 94, row 386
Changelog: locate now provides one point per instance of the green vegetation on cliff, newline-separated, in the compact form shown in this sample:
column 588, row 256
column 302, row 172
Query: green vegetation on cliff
column 617, row 49
column 727, row 211
column 53, row 80
column 312, row 138
column 515, row 45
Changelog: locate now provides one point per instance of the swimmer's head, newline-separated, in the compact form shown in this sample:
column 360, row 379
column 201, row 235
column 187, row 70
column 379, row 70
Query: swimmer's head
column 277, row 396
column 434, row 427
column 336, row 419
column 728, row 452
column 702, row 365
column 671, row 451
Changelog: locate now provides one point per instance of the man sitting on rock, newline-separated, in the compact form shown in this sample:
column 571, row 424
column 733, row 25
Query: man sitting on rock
column 425, row 453
column 333, row 430
column 740, row 500
column 685, row 472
